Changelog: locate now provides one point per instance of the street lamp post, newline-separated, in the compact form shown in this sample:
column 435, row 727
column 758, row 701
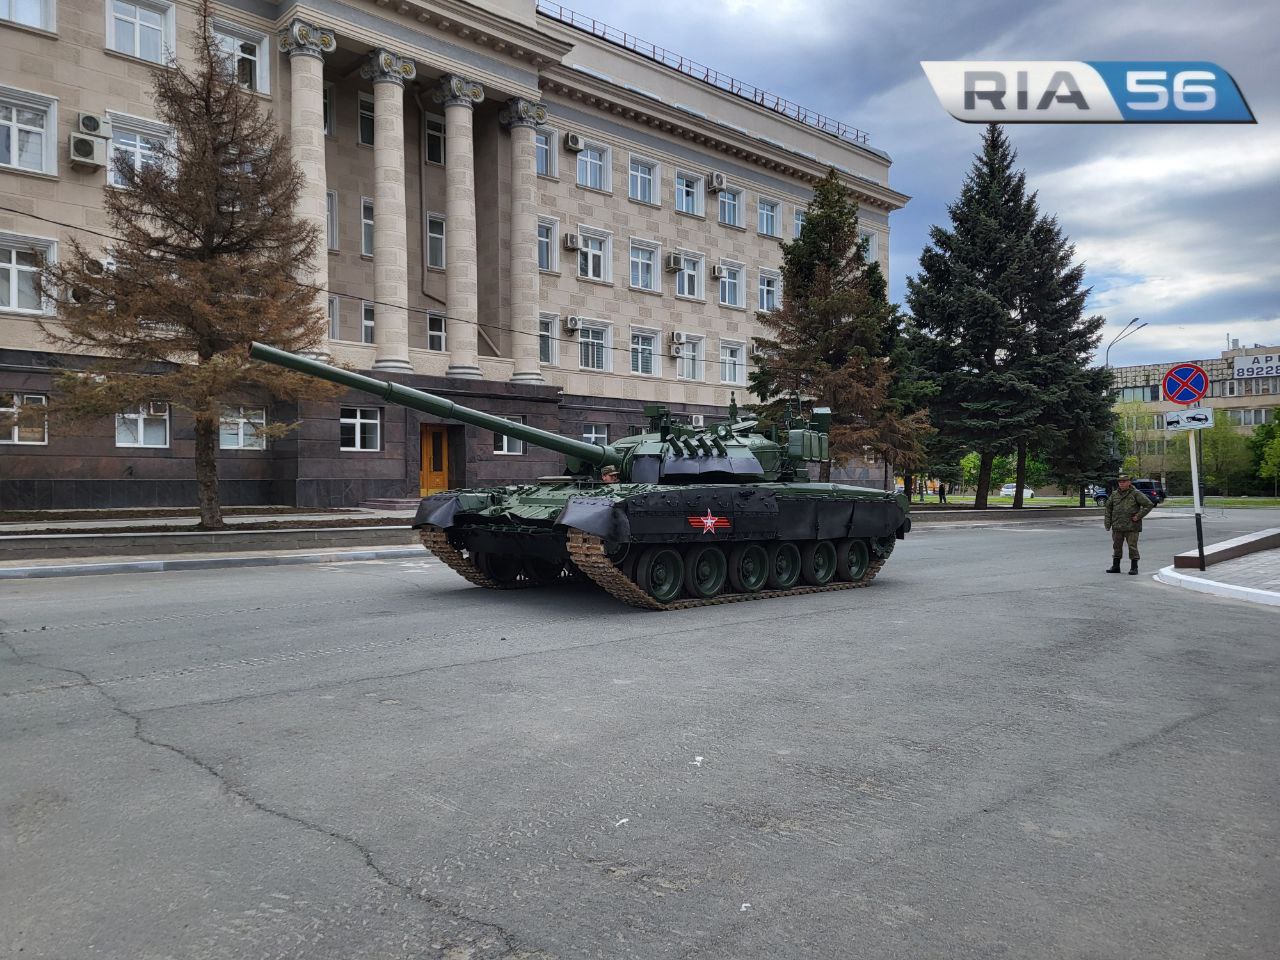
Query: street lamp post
column 1128, row 331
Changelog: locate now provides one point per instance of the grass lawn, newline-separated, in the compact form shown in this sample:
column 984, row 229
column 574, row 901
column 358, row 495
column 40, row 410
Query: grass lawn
column 995, row 501
column 1226, row 502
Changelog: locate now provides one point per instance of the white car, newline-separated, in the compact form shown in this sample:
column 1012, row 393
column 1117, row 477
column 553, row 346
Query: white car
column 1008, row 489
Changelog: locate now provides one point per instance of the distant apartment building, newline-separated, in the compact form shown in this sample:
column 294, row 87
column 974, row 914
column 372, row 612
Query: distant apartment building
column 526, row 211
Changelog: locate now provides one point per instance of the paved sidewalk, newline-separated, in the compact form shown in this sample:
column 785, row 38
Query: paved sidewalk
column 1255, row 578
column 97, row 566
column 69, row 526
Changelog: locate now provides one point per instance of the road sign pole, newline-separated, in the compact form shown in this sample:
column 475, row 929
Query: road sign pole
column 1195, row 495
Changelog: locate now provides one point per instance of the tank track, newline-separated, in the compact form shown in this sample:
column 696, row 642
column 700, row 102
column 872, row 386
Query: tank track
column 437, row 541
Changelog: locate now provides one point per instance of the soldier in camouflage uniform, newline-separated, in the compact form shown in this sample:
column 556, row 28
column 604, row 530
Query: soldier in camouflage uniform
column 1123, row 517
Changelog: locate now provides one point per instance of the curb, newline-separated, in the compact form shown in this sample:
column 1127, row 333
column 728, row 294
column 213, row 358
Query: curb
column 1215, row 587
column 204, row 563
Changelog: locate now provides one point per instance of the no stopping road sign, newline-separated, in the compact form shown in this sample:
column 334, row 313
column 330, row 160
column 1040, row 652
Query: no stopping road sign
column 1186, row 383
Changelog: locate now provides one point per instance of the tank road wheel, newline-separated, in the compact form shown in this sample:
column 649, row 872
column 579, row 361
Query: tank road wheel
column 748, row 568
column 784, row 565
column 503, row 569
column 852, row 560
column 540, row 571
column 660, row 573
column 818, row 563
column 704, row 571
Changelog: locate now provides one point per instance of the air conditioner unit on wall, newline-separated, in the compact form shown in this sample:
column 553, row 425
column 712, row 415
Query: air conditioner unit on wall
column 716, row 182
column 573, row 142
column 92, row 125
column 696, row 420
column 678, row 336
column 677, row 351
column 87, row 152
column 756, row 351
column 674, row 261
column 572, row 323
column 572, row 241
column 717, row 272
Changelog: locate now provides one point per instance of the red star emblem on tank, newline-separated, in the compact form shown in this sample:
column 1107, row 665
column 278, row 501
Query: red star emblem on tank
column 709, row 523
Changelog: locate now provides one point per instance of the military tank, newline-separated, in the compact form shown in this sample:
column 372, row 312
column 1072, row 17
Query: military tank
column 696, row 516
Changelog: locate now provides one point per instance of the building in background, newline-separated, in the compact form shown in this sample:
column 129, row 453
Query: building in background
column 526, row 211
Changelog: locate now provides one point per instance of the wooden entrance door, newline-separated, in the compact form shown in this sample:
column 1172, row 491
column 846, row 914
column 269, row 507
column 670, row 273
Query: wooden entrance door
column 434, row 476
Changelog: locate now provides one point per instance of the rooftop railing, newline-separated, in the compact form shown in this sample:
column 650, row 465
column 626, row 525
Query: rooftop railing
column 700, row 71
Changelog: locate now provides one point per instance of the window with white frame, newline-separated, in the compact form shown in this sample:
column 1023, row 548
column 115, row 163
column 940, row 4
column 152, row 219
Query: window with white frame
column 335, row 330
column 689, row 363
column 248, row 55
column 435, row 241
column 433, row 138
column 136, row 143
column 146, row 425
column 20, row 260
column 770, row 284
column 366, row 227
column 731, row 207
column 595, row 253
column 25, row 432
column 143, row 29
column 689, row 193
column 241, row 428
column 437, row 338
column 327, row 109
column 645, row 355
column 873, row 243
column 366, row 322
column 689, row 276
column 548, row 251
column 593, row 347
column 548, row 343
column 360, row 428
column 508, row 446
column 730, row 284
column 646, row 258
column 801, row 215
column 331, row 219
column 597, row 433
column 642, row 178
column 593, row 167
column 732, row 363
column 28, row 131
column 544, row 146
column 365, row 134
column 28, row 13
column 768, row 217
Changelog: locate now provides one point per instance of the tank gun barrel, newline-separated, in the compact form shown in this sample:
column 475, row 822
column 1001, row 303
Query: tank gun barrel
column 429, row 403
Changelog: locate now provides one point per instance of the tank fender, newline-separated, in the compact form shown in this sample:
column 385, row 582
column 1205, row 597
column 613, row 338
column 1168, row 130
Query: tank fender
column 903, row 529
column 875, row 518
column 438, row 510
column 598, row 516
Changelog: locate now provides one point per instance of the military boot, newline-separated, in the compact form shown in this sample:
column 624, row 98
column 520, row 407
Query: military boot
column 1133, row 567
column 1115, row 565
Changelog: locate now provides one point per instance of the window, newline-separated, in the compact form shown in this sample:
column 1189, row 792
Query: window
column 593, row 348
column 11, row 405
column 335, row 331
column 136, row 143
column 730, row 284
column 143, row 30
column 873, row 243
column 595, row 252
column 28, row 131
column 800, row 218
column 768, row 217
column 645, row 258
column 544, row 145
column 146, row 425
column 327, row 107
column 1143, row 394
column 366, row 322
column 508, row 446
column 689, row 276
column 20, row 259
column 29, row 13
column 689, row 193
column 331, row 219
column 366, row 227
column 689, row 364
column 548, row 252
column 366, row 119
column 769, row 284
column 436, row 337
column 360, row 428
column 433, row 138
column 593, row 167
column 248, row 56
column 731, row 207
column 640, row 180
column 241, row 428
column 644, row 352
column 547, row 344
column 597, row 433
column 435, row 241
column 732, row 368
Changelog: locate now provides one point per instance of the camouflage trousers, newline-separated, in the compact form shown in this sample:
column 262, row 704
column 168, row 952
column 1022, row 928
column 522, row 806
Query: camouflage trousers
column 1119, row 538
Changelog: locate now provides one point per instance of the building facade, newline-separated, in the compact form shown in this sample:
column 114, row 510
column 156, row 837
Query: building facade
column 1244, row 388
column 525, row 212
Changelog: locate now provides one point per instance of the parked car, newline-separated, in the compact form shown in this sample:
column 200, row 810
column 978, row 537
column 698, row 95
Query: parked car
column 1008, row 489
column 1152, row 488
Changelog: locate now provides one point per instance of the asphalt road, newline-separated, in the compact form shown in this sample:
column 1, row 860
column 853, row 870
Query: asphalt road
column 997, row 750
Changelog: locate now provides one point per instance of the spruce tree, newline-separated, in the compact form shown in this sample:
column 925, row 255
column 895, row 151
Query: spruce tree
column 203, row 262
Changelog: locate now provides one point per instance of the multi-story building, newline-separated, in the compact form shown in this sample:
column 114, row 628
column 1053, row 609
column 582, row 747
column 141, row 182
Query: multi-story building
column 526, row 211
column 1244, row 389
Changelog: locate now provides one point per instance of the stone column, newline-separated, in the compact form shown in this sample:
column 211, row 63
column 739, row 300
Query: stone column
column 459, row 95
column 390, row 238
column 522, row 117
column 306, row 44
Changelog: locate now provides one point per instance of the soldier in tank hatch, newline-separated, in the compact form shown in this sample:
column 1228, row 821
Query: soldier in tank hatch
column 1123, row 517
column 609, row 474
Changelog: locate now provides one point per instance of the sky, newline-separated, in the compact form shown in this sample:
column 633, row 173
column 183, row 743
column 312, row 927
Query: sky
column 1176, row 224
